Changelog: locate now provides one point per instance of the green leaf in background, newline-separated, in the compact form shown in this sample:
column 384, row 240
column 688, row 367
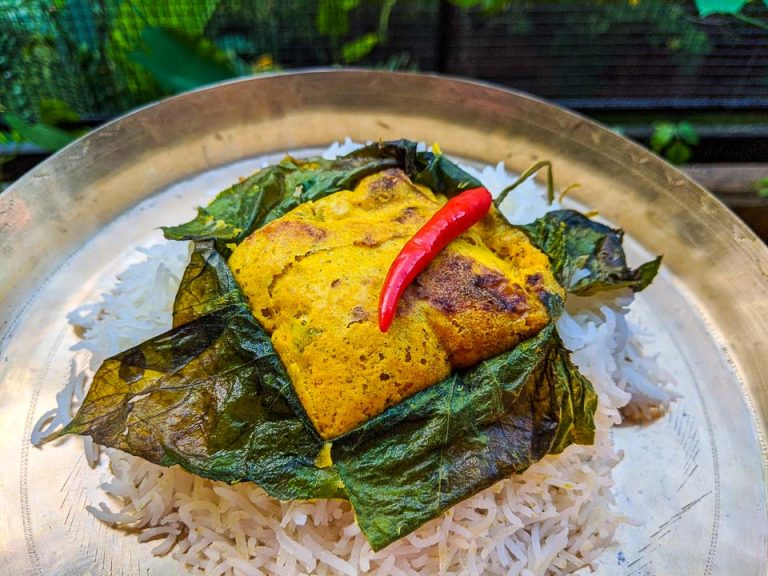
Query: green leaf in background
column 674, row 141
column 181, row 62
column 48, row 137
column 333, row 16
column 488, row 6
column 761, row 186
column 466, row 4
column 125, row 26
column 707, row 7
column 687, row 133
column 587, row 257
column 192, row 17
column 663, row 134
column 678, row 152
column 451, row 440
column 359, row 48
column 10, row 141
column 10, row 137
column 54, row 112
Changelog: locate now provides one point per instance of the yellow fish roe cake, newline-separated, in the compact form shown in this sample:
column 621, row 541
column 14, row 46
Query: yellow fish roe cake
column 313, row 278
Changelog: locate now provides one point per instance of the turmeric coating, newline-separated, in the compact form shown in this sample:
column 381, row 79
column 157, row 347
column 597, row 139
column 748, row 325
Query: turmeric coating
column 313, row 278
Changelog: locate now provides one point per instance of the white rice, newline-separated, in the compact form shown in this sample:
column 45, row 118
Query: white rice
column 555, row 518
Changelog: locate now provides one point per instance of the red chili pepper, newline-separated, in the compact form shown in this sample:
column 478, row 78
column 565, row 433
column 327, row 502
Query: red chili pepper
column 458, row 215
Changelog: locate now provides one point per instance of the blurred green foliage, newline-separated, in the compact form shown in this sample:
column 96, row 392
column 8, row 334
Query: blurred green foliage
column 357, row 49
column 44, row 135
column 761, row 187
column 333, row 21
column 674, row 141
column 179, row 61
column 731, row 8
column 63, row 61
column 106, row 56
column 485, row 5
column 707, row 7
column 9, row 142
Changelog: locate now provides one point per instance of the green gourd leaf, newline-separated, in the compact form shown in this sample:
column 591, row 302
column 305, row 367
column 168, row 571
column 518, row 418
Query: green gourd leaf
column 587, row 257
column 210, row 394
column 452, row 440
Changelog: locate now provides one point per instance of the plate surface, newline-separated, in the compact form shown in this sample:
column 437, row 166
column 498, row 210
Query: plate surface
column 695, row 480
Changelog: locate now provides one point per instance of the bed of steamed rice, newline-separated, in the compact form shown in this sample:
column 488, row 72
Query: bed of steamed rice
column 555, row 518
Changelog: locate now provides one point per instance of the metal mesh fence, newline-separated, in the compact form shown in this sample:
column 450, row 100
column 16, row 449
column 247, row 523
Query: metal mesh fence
column 618, row 54
column 600, row 54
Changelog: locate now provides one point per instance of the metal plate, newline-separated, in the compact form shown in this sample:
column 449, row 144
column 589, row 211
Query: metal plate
column 694, row 480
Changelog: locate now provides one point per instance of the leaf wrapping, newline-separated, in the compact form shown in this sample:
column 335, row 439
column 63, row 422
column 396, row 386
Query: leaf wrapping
column 448, row 442
column 212, row 395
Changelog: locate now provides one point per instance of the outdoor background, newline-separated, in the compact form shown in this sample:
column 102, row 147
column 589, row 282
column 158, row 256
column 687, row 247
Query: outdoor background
column 687, row 79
